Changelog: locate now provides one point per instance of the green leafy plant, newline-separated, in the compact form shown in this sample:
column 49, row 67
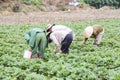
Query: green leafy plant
column 84, row 62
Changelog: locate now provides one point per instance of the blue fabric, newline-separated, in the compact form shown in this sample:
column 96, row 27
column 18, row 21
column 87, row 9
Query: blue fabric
column 66, row 43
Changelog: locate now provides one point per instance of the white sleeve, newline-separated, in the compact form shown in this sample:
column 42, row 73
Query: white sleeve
column 55, row 41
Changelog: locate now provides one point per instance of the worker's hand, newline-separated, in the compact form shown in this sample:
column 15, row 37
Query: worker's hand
column 60, row 51
column 83, row 42
column 30, row 50
column 55, row 51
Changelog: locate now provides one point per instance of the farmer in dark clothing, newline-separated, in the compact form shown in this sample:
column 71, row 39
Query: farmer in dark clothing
column 36, row 38
column 61, row 36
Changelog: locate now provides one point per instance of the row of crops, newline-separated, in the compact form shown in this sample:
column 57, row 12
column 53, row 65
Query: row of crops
column 84, row 62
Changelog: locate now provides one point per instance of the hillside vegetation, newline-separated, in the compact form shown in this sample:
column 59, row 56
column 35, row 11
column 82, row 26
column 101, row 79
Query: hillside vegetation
column 53, row 5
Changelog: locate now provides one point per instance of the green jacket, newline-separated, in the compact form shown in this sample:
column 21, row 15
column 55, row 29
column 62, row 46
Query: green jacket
column 30, row 36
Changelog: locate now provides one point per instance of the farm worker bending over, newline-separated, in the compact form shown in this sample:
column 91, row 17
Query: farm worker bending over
column 96, row 32
column 36, row 38
column 61, row 36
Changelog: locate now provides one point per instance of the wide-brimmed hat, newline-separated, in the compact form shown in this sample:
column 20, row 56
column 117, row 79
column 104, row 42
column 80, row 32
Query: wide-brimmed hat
column 88, row 31
column 49, row 26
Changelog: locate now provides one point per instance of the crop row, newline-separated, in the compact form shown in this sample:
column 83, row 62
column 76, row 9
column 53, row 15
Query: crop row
column 85, row 62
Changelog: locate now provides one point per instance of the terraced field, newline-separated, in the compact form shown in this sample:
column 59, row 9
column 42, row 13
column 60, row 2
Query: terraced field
column 84, row 62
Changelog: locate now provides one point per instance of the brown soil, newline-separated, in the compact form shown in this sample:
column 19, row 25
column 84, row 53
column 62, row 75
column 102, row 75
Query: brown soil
column 29, row 14
column 60, row 16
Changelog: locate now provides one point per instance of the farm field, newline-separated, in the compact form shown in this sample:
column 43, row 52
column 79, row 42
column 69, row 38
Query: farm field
column 84, row 62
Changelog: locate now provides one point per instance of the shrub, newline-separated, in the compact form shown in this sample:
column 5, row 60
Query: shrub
column 101, row 3
column 34, row 2
column 16, row 8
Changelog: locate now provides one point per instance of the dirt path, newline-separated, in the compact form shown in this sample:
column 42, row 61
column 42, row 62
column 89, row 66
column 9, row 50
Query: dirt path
column 51, row 17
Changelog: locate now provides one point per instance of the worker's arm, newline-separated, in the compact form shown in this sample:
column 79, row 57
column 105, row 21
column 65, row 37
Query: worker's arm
column 84, row 41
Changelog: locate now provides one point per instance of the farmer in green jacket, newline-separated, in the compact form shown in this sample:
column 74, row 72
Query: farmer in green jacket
column 36, row 38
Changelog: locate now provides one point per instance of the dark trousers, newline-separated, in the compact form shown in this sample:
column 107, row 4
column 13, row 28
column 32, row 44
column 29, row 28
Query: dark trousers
column 66, row 43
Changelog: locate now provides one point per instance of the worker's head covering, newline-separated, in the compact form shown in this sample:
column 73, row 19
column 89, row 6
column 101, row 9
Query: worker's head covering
column 49, row 26
column 88, row 31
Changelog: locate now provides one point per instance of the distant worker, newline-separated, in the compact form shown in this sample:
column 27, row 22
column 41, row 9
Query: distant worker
column 95, row 31
column 36, row 38
column 61, row 36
